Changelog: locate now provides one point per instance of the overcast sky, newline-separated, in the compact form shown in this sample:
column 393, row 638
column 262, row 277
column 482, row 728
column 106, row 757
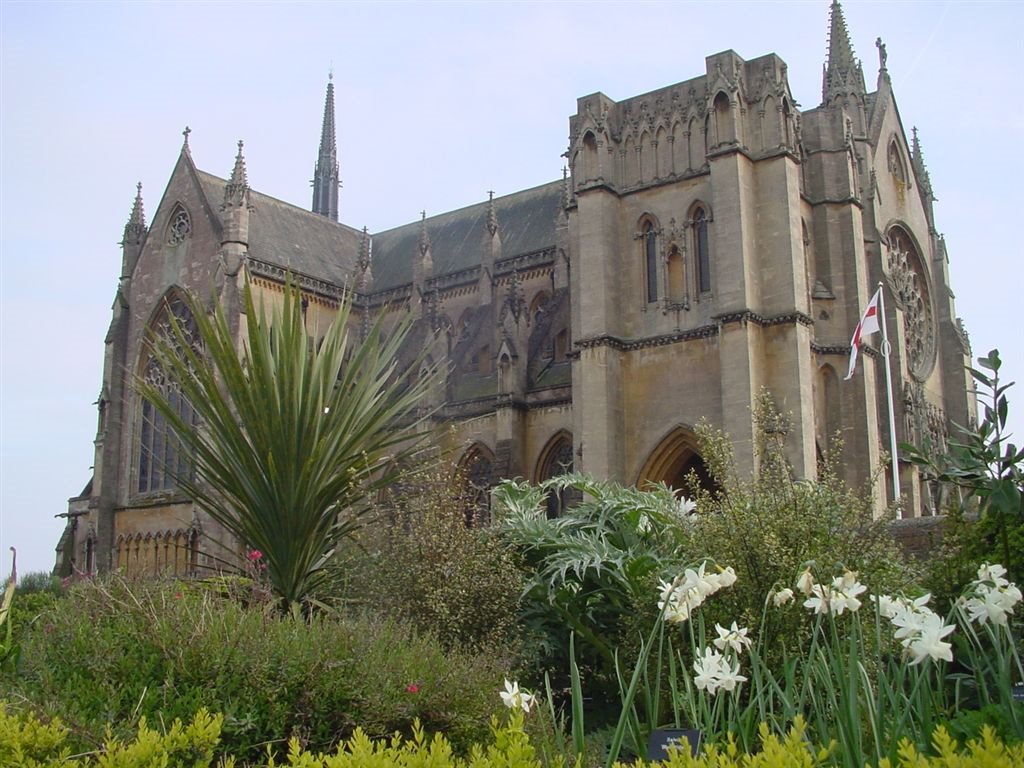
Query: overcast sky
column 436, row 104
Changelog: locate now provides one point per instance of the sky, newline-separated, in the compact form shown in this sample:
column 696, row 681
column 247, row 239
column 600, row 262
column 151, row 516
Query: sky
column 437, row 103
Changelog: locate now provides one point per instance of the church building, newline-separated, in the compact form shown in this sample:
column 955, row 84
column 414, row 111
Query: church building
column 709, row 241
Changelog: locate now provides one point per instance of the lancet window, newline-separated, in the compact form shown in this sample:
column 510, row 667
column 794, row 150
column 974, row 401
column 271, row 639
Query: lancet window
column 160, row 456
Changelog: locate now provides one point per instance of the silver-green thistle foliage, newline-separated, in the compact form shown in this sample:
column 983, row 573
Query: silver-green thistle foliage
column 292, row 435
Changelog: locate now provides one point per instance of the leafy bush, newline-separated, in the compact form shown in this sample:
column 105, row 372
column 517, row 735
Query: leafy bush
column 115, row 652
column 591, row 570
column 981, row 471
column 422, row 564
column 25, row 742
column 769, row 527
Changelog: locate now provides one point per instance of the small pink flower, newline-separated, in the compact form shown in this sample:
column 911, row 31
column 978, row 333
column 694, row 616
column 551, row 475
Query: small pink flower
column 177, row 595
column 412, row 688
column 255, row 555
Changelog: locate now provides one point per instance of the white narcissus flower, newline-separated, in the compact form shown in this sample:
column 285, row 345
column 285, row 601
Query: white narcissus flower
column 818, row 600
column 644, row 524
column 782, row 597
column 707, row 667
column 687, row 507
column 727, row 577
column 994, row 597
column 805, row 583
column 734, row 637
column 994, row 573
column 714, row 673
column 928, row 642
column 516, row 698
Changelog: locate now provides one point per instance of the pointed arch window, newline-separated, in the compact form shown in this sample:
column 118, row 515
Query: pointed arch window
column 160, row 456
column 702, row 250
column 179, row 226
column 477, row 469
column 650, row 239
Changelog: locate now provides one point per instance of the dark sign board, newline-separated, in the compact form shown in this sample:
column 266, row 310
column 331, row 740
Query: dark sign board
column 664, row 739
column 1017, row 692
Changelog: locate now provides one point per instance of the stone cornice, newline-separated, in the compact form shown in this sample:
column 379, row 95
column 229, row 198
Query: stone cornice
column 701, row 332
column 306, row 282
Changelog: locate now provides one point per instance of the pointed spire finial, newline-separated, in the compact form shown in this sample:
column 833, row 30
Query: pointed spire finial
column 843, row 73
column 326, row 178
column 492, row 214
column 184, row 145
column 424, row 242
column 364, row 250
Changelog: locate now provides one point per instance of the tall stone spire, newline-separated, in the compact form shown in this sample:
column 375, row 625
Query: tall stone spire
column 843, row 75
column 325, row 175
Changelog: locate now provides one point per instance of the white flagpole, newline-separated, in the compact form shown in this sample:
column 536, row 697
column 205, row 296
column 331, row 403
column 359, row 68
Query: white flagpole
column 886, row 348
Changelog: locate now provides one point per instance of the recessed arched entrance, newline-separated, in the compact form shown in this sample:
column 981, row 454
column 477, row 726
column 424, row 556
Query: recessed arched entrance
column 676, row 461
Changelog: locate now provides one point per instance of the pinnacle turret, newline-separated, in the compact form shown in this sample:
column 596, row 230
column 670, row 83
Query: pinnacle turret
column 134, row 234
column 326, row 179
column 236, row 191
column 135, row 229
column 920, row 169
column 492, row 215
column 424, row 241
column 842, row 75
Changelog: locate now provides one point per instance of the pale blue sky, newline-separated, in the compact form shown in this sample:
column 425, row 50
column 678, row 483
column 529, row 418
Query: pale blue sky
column 436, row 104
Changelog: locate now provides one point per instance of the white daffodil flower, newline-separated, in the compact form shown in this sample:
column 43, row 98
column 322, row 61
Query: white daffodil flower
column 516, row 698
column 805, row 583
column 734, row 637
column 782, row 597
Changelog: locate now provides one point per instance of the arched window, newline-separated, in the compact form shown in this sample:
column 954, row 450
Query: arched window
column 477, row 469
column 555, row 460
column 676, row 278
column 160, row 456
column 895, row 163
column 179, row 226
column 702, row 250
column 650, row 238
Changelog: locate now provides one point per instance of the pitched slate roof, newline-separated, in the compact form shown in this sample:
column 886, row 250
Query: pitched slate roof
column 297, row 239
column 294, row 238
column 526, row 223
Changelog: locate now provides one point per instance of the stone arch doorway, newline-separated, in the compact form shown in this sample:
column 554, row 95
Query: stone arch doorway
column 555, row 460
column 674, row 461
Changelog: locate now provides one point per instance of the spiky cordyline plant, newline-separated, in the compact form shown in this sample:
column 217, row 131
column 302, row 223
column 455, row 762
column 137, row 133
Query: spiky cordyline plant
column 291, row 436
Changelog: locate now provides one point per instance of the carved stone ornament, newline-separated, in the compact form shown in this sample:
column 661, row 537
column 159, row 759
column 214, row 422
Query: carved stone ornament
column 910, row 286
column 180, row 227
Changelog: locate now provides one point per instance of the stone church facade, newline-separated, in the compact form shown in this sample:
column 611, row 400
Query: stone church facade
column 709, row 242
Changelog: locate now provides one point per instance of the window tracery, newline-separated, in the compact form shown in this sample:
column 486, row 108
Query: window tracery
column 180, row 227
column 478, row 469
column 910, row 287
column 160, row 457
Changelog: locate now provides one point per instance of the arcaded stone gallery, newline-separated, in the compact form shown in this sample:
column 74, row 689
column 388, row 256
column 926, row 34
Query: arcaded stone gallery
column 709, row 241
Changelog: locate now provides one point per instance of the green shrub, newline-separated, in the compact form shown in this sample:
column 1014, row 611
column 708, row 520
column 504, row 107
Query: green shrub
column 25, row 742
column 115, row 652
column 769, row 527
column 423, row 565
